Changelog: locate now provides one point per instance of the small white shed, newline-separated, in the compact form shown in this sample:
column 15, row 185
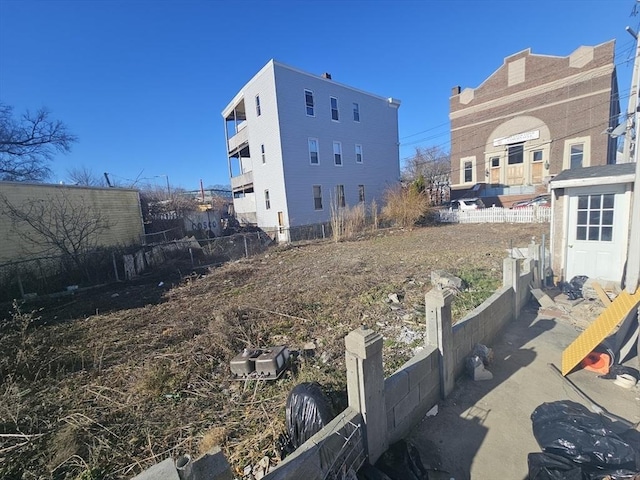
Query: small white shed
column 590, row 222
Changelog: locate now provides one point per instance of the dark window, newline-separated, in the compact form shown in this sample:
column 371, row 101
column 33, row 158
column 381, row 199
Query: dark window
column 337, row 153
column 361, row 193
column 267, row 201
column 334, row 109
column 258, row 111
column 308, row 99
column 340, row 196
column 358, row 153
column 516, row 154
column 356, row 112
column 313, row 151
column 317, row 197
column 495, row 161
column 468, row 172
column 537, row 155
column 264, row 156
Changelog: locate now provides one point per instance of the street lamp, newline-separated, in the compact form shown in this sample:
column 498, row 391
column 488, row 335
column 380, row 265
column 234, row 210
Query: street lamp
column 168, row 189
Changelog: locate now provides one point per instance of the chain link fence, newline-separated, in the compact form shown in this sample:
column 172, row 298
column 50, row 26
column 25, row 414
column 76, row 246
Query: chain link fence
column 57, row 275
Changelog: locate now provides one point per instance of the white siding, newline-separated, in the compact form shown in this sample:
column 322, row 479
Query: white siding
column 377, row 132
column 284, row 129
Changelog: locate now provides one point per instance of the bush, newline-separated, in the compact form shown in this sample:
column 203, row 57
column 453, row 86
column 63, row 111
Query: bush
column 405, row 207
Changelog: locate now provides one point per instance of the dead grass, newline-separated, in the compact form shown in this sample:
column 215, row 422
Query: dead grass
column 130, row 387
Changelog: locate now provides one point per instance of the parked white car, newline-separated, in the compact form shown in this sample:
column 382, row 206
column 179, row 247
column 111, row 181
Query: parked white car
column 467, row 204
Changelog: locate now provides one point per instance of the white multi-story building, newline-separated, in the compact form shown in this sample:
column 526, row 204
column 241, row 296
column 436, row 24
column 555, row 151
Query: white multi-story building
column 297, row 142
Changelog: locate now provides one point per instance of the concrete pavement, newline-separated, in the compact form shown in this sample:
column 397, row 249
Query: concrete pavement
column 483, row 429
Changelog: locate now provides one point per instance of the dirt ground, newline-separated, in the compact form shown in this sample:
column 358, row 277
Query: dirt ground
column 107, row 382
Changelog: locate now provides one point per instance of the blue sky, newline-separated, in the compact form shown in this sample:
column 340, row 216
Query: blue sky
column 142, row 83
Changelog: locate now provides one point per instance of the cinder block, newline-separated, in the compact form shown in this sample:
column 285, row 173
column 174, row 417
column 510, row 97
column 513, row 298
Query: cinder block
column 407, row 405
column 430, row 389
column 417, row 367
column 396, row 387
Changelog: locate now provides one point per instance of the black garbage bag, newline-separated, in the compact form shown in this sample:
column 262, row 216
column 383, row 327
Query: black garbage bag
column 402, row 462
column 308, row 411
column 570, row 430
column 573, row 289
column 547, row 466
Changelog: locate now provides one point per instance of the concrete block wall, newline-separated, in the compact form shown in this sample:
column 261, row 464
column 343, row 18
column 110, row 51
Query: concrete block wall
column 482, row 325
column 411, row 392
column 332, row 448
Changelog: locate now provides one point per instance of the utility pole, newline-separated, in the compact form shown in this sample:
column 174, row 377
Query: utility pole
column 632, row 273
column 628, row 152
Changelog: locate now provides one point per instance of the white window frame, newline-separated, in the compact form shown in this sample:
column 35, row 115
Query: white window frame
column 267, row 200
column 359, row 156
column 334, row 110
column 586, row 151
column 356, row 112
column 263, row 154
column 463, row 160
column 337, row 154
column 258, row 109
column 317, row 200
column 317, row 151
column 309, row 107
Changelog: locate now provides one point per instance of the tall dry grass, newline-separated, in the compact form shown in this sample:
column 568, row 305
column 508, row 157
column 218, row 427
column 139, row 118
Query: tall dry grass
column 347, row 222
column 404, row 207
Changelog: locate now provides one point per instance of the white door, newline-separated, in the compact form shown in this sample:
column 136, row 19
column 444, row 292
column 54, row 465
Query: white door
column 597, row 232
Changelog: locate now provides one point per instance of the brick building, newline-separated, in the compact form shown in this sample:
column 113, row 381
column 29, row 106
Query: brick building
column 532, row 118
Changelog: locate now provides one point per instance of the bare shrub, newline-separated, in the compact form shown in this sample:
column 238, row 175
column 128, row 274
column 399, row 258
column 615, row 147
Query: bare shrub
column 373, row 215
column 347, row 222
column 404, row 207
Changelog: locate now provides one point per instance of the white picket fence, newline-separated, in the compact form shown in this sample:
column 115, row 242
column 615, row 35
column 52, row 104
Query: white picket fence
column 497, row 215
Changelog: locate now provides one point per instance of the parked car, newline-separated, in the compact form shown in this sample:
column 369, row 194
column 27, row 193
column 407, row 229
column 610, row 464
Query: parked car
column 539, row 201
column 467, row 204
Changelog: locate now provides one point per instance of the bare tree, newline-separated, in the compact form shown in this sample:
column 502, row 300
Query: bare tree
column 86, row 177
column 57, row 225
column 29, row 143
column 430, row 171
column 157, row 203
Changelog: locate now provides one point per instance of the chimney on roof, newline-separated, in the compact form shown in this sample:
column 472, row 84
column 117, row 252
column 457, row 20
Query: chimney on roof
column 326, row 75
column 455, row 90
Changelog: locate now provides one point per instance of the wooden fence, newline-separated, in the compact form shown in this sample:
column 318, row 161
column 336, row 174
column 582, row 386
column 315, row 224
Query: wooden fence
column 497, row 215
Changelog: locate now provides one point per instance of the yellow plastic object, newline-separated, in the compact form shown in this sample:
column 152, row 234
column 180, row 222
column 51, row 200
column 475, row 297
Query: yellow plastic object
column 598, row 330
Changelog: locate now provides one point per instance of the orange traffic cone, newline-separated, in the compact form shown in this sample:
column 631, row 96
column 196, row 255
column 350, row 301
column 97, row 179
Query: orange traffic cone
column 597, row 362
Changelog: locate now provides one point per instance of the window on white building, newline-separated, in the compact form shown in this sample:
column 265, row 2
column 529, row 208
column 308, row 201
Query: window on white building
column 361, row 193
column 308, row 99
column 267, row 201
column 356, row 112
column 264, row 156
column 358, row 153
column 334, row 109
column 317, row 197
column 258, row 110
column 314, row 158
column 337, row 153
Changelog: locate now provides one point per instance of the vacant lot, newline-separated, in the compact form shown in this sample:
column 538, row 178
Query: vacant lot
column 105, row 383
